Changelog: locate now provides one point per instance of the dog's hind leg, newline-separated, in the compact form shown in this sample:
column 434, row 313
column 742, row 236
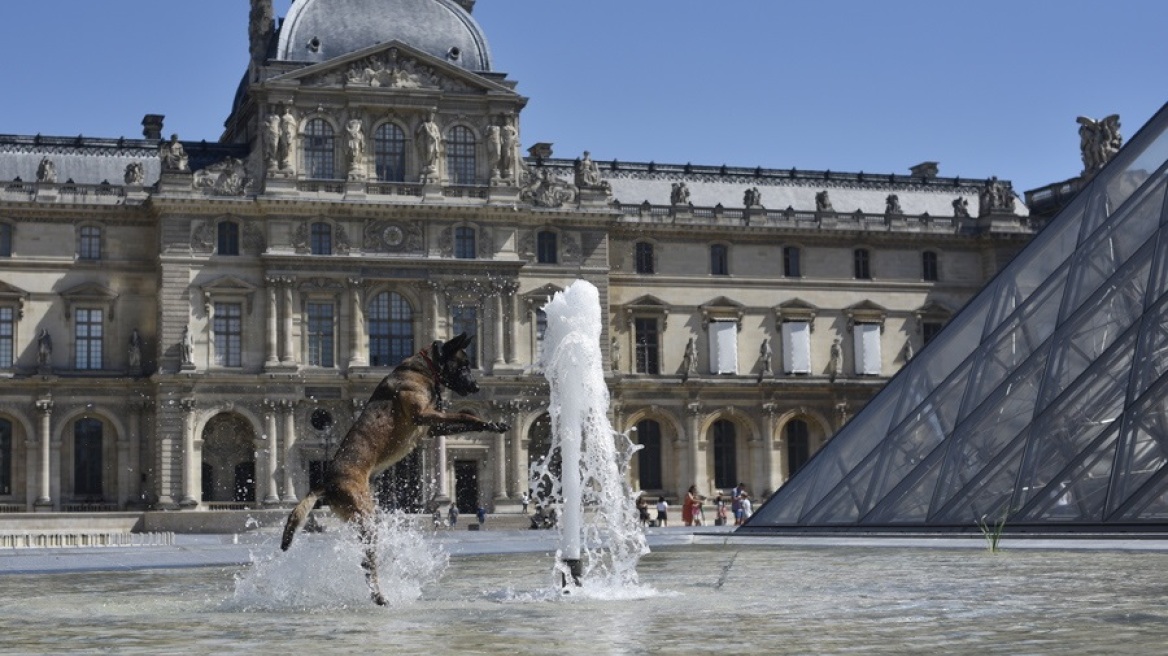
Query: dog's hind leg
column 367, row 529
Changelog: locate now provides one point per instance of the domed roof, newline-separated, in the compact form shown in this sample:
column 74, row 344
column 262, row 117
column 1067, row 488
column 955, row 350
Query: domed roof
column 320, row 30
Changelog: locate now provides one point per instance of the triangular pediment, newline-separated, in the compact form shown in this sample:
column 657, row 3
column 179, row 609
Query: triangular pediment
column 647, row 301
column 542, row 294
column 796, row 309
column 89, row 294
column 722, row 303
column 11, row 291
column 228, row 285
column 933, row 309
column 391, row 66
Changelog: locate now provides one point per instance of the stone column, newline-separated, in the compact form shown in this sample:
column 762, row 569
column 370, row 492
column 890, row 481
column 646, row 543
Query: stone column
column 286, row 320
column 272, row 357
column 435, row 305
column 138, row 410
column 440, row 468
column 497, row 310
column 125, row 470
column 694, row 410
column 517, row 475
column 271, row 476
column 767, row 464
column 512, row 324
column 357, row 349
column 192, row 472
column 287, row 408
column 499, row 456
column 44, row 476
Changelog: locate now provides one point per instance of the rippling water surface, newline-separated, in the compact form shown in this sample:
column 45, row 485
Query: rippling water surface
column 713, row 600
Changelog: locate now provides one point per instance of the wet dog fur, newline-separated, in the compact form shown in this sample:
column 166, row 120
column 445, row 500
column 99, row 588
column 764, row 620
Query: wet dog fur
column 405, row 406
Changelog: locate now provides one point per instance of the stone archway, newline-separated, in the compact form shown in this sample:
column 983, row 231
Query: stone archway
column 229, row 466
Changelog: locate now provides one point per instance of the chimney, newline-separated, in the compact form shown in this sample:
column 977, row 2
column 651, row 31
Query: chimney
column 152, row 126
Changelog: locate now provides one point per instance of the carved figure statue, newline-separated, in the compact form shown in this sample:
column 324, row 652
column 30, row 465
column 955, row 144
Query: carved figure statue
column 680, row 194
column 494, row 151
column 187, row 346
column 508, row 147
column 272, row 142
column 752, row 197
column 134, row 352
column 47, row 171
column 908, row 351
column 995, row 196
column 823, row 202
column 765, row 355
column 588, row 174
column 135, row 174
column 1099, row 141
column 429, row 147
column 615, row 349
column 286, row 148
column 355, row 143
column 174, row 156
column 835, row 361
column 892, row 205
column 44, row 348
column 689, row 361
column 960, row 207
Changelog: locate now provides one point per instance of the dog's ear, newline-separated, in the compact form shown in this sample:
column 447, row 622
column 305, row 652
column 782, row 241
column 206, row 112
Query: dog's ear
column 455, row 345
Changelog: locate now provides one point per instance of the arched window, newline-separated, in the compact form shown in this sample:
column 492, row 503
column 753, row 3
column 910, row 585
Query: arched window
column 391, row 330
column 725, row 454
column 546, row 247
column 862, row 265
column 321, row 238
column 319, row 150
column 719, row 260
column 929, row 266
column 460, row 156
column 798, row 445
column 643, row 258
column 5, row 456
column 227, row 242
column 649, row 457
column 87, row 458
column 389, row 152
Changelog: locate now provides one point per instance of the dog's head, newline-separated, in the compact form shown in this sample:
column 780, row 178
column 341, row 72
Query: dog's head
column 454, row 365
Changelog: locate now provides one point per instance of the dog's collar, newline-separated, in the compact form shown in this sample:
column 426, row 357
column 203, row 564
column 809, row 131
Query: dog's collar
column 434, row 371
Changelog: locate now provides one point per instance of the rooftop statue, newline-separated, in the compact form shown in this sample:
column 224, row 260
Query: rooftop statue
column 174, row 156
column 1099, row 140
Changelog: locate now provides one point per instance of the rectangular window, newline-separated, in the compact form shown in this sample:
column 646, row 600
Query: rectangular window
column 89, row 243
column 7, row 336
column 643, row 258
column 320, row 335
column 796, row 347
column 791, row 267
column 228, row 327
column 929, row 266
column 648, row 350
column 546, row 250
column 929, row 330
column 719, row 260
column 88, row 337
column 321, row 239
column 723, row 347
column 867, row 345
column 541, row 324
column 5, row 457
column 464, row 243
column 862, row 264
column 5, row 240
column 466, row 320
column 228, row 238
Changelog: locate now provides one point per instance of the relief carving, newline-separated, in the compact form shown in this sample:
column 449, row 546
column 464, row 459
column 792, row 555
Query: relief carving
column 226, row 178
column 543, row 189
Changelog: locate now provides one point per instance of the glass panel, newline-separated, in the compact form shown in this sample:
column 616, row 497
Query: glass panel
column 1143, row 450
column 1079, row 495
column 843, row 505
column 1152, row 361
column 910, row 505
column 1134, row 163
column 989, row 496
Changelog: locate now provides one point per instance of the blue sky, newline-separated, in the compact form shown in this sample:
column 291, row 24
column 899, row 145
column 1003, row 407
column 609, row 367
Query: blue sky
column 985, row 88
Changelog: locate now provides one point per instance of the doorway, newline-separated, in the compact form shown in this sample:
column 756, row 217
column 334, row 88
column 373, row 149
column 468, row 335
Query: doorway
column 466, row 485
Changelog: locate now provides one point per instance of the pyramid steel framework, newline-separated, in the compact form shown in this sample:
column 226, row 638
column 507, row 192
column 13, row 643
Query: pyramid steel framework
column 1043, row 403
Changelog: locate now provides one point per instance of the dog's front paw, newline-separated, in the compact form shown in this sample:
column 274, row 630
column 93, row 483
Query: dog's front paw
column 498, row 426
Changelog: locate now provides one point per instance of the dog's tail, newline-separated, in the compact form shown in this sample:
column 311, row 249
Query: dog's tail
column 296, row 518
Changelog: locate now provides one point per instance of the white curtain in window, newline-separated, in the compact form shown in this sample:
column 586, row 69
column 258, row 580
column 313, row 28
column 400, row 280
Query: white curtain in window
column 867, row 343
column 724, row 347
column 796, row 347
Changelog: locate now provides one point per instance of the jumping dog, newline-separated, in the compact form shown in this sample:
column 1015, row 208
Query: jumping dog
column 405, row 406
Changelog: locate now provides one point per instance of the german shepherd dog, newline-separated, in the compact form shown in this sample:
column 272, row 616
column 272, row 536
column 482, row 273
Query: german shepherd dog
column 405, row 406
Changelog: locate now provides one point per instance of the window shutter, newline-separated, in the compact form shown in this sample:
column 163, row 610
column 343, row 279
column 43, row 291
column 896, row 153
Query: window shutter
column 796, row 347
column 724, row 347
column 867, row 343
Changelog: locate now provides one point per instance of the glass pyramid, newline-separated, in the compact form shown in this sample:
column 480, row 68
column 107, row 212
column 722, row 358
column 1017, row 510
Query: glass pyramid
column 1044, row 402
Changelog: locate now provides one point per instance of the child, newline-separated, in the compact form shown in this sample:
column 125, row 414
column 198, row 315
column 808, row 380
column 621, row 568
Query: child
column 662, row 512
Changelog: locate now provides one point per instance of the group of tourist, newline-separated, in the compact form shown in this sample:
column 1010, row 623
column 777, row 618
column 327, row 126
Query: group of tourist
column 692, row 513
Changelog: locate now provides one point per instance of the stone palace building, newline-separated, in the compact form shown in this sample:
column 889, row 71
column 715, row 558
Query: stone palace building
column 190, row 325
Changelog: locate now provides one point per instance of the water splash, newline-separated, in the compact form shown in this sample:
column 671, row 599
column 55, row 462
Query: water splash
column 323, row 572
column 598, row 523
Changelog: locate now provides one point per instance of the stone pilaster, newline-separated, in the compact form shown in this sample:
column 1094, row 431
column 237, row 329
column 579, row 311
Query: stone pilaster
column 271, row 476
column 271, row 354
column 287, row 409
column 691, row 470
column 44, row 500
column 192, row 481
column 357, row 347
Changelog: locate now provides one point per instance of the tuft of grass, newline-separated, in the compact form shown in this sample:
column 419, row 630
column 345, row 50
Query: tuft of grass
column 993, row 532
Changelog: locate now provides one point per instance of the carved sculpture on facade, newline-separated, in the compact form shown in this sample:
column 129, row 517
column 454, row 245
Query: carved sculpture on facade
column 134, row 352
column 259, row 29
column 226, row 178
column 996, row 197
column 508, row 147
column 271, row 131
column 689, row 361
column 823, row 202
column 494, row 144
column 135, row 174
column 835, row 361
column 1099, row 141
column 679, row 194
column 286, row 144
column 960, row 207
column 588, row 175
column 391, row 70
column 174, row 156
column 765, row 356
column 752, row 197
column 892, row 206
column 543, row 189
column 46, row 171
column 614, row 353
column 355, row 147
column 44, row 350
column 429, row 144
column 186, row 347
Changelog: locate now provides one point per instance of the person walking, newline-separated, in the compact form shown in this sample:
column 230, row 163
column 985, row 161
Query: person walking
column 687, row 505
column 526, row 500
column 452, row 514
column 643, row 510
column 662, row 512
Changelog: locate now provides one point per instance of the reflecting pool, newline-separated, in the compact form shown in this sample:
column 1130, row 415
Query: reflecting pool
column 698, row 599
